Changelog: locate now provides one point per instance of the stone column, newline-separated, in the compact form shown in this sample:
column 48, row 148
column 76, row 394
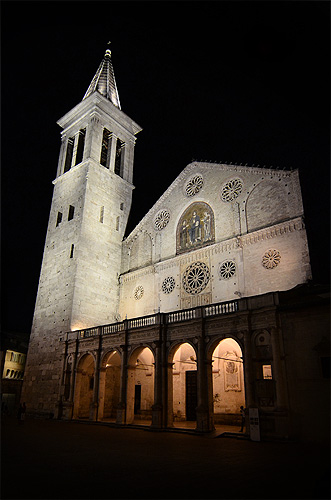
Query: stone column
column 169, row 396
column 73, row 372
column 210, row 401
column 204, row 422
column 278, row 369
column 165, row 374
column 121, row 408
column 102, row 383
column 157, row 406
column 128, row 159
column 70, row 404
column 112, row 153
column 61, row 155
column 248, row 370
column 95, row 402
column 59, row 405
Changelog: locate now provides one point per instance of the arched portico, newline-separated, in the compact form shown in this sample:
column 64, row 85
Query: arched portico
column 182, row 384
column 226, row 379
column 84, row 386
column 140, row 387
column 109, row 385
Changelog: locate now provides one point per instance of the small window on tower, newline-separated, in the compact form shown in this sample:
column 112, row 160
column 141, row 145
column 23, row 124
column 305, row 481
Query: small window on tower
column 71, row 212
column 117, row 223
column 102, row 211
column 70, row 150
column 119, row 158
column 122, row 206
column 80, row 146
column 72, row 251
column 59, row 218
column 105, row 148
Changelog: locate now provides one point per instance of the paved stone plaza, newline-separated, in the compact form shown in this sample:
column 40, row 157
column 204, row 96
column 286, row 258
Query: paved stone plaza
column 50, row 459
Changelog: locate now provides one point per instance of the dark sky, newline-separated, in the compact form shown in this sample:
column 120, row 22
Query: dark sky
column 242, row 82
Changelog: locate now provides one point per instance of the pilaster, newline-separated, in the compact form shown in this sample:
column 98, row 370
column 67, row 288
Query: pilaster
column 278, row 369
column 248, row 369
column 204, row 417
column 121, row 409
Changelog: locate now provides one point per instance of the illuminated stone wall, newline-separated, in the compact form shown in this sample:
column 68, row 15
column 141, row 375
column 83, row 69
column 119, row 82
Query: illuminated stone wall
column 78, row 286
column 219, row 232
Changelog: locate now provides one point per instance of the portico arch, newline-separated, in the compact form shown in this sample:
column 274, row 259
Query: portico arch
column 84, row 386
column 109, row 385
column 227, row 381
column 182, row 384
column 140, row 388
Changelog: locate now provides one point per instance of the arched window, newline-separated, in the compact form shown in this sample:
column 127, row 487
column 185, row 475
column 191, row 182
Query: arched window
column 196, row 227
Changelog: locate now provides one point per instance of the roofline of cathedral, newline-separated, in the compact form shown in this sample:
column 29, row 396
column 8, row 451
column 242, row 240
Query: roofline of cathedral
column 191, row 166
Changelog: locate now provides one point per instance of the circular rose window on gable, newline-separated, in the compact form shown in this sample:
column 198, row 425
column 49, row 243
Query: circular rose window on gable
column 231, row 190
column 194, row 185
column 161, row 220
column 196, row 278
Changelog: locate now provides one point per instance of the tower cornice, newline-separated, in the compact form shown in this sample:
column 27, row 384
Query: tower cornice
column 96, row 102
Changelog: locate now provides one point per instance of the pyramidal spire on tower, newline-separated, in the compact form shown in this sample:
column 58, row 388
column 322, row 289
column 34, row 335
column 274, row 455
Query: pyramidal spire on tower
column 104, row 81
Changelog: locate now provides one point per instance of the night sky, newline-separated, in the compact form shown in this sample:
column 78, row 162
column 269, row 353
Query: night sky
column 237, row 82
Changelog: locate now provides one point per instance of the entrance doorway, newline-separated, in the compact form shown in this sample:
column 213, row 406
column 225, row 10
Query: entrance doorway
column 228, row 382
column 183, row 386
column 191, row 394
column 140, row 389
column 137, row 399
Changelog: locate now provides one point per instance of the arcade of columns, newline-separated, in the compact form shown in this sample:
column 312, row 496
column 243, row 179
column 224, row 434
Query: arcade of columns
column 202, row 328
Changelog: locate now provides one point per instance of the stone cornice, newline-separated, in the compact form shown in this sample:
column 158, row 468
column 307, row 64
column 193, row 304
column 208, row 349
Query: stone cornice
column 138, row 273
column 90, row 163
column 288, row 226
column 98, row 102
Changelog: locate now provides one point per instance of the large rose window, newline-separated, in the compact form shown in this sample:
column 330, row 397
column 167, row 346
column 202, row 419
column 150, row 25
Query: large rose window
column 196, row 278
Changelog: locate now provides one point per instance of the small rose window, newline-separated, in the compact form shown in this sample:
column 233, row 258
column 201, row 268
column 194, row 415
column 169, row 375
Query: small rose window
column 271, row 259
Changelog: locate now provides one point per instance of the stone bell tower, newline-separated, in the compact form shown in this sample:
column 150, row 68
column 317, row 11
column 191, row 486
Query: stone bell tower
column 78, row 286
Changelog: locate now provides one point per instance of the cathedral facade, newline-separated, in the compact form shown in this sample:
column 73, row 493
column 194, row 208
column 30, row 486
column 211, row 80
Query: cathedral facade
column 182, row 320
